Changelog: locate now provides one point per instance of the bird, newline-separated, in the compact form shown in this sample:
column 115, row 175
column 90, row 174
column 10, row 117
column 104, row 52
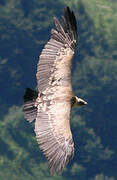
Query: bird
column 51, row 106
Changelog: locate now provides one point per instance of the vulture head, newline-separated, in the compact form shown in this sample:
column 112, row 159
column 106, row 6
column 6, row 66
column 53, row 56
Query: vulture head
column 77, row 102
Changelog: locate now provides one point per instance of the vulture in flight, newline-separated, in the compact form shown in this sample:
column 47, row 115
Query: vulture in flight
column 50, row 107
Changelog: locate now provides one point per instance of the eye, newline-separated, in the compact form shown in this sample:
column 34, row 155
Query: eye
column 81, row 103
column 73, row 101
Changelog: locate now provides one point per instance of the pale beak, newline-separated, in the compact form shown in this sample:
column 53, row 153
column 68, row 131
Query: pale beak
column 85, row 103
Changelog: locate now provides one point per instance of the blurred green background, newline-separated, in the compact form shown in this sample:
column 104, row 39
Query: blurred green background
column 24, row 29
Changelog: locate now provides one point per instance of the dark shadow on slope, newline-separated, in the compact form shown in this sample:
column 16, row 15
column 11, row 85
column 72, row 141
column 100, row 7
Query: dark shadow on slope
column 5, row 150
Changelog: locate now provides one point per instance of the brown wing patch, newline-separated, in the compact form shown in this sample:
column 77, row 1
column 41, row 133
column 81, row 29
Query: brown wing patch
column 52, row 59
column 52, row 128
column 45, row 66
column 62, row 40
column 57, row 71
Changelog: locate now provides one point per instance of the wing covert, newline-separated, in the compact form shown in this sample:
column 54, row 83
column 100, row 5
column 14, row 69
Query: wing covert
column 52, row 128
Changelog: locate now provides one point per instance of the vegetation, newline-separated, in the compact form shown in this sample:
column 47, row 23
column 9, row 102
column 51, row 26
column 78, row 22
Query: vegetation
column 24, row 29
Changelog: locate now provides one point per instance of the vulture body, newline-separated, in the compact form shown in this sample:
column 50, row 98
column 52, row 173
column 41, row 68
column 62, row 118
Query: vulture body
column 50, row 107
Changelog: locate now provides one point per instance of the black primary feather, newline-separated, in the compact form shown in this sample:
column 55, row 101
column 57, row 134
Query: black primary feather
column 67, row 29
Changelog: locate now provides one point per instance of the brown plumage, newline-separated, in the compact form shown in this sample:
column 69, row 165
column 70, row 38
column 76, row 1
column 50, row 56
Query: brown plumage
column 51, row 106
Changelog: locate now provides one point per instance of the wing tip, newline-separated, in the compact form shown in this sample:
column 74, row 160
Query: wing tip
column 62, row 158
column 67, row 29
column 71, row 19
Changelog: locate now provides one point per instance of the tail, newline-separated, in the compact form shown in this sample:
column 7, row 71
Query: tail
column 30, row 111
column 66, row 30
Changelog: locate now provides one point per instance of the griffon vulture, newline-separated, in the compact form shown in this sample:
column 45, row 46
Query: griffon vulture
column 50, row 107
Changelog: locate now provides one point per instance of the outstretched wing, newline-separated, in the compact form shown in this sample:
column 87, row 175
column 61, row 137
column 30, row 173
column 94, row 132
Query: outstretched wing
column 53, row 133
column 52, row 124
column 61, row 46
